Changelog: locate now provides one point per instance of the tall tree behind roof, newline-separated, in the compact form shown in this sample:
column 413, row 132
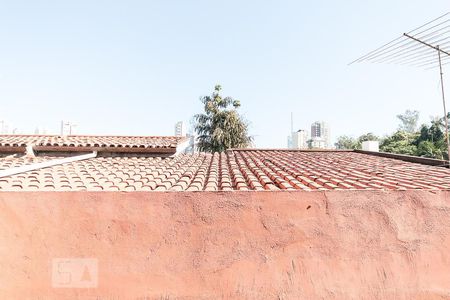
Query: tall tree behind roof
column 220, row 127
column 409, row 120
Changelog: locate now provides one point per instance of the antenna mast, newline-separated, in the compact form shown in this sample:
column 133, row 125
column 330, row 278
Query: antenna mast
column 418, row 48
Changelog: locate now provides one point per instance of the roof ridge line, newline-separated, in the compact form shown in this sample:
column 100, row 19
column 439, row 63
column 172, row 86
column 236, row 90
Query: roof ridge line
column 45, row 164
column 408, row 158
column 91, row 135
column 290, row 150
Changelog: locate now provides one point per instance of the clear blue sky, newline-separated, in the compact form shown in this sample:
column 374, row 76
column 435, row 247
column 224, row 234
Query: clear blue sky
column 137, row 67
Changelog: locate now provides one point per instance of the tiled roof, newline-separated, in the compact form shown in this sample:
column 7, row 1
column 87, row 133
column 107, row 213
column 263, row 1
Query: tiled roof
column 13, row 161
column 84, row 143
column 233, row 170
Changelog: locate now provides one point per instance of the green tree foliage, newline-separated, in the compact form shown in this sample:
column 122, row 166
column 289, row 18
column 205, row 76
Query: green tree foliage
column 220, row 127
column 431, row 133
column 428, row 141
column 347, row 142
column 408, row 121
column 400, row 142
column 429, row 149
column 367, row 137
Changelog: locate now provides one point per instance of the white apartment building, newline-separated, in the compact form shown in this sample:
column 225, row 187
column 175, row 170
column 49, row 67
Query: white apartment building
column 299, row 139
column 68, row 128
column 320, row 135
column 180, row 129
column 7, row 128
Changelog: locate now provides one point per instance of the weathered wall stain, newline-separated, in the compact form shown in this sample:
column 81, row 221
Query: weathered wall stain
column 229, row 245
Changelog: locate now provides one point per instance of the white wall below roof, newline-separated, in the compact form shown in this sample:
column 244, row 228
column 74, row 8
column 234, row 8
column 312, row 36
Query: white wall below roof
column 371, row 146
column 186, row 145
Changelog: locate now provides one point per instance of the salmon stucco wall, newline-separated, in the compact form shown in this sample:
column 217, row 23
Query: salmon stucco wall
column 227, row 245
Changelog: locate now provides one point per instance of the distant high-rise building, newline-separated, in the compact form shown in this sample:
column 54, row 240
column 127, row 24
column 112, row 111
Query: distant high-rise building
column 289, row 141
column 3, row 127
column 40, row 130
column 68, row 128
column 7, row 128
column 320, row 135
column 180, row 129
column 318, row 143
column 299, row 139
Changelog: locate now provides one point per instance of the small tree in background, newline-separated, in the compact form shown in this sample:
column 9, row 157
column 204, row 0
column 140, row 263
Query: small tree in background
column 430, row 149
column 347, row 142
column 401, row 142
column 220, row 127
column 367, row 137
column 409, row 121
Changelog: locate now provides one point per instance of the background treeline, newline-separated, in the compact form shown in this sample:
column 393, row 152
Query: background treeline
column 428, row 140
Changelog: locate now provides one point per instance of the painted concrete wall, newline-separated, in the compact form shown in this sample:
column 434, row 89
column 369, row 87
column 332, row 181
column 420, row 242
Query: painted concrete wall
column 236, row 245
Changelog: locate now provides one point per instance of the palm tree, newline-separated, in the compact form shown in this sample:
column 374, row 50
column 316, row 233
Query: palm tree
column 220, row 127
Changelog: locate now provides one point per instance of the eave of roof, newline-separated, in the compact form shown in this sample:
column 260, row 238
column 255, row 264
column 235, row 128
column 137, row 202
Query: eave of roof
column 88, row 143
column 408, row 158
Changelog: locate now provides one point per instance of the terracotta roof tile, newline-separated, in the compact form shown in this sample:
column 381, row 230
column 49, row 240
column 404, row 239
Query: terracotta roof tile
column 99, row 143
column 233, row 170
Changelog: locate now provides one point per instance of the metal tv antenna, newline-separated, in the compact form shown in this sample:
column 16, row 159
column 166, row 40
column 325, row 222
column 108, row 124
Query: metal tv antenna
column 427, row 46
